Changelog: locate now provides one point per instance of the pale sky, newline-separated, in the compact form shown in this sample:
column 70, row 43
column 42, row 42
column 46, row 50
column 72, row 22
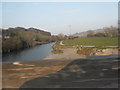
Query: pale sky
column 56, row 17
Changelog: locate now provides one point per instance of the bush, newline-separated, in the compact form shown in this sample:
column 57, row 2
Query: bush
column 20, row 40
column 84, row 51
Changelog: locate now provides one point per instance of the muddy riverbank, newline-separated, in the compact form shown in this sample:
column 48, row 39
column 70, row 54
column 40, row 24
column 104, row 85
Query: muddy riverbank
column 64, row 71
column 14, row 75
column 71, row 53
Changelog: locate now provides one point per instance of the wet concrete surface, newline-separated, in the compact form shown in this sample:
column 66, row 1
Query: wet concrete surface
column 81, row 73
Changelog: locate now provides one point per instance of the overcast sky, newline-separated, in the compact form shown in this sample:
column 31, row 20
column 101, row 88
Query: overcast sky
column 56, row 17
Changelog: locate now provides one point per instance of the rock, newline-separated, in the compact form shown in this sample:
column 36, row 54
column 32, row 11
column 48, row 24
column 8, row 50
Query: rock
column 17, row 63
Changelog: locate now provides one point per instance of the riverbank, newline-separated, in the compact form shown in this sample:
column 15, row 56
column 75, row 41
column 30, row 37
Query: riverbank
column 19, row 38
column 35, row 43
column 68, row 53
column 81, row 73
column 36, row 53
column 84, row 47
column 71, row 53
column 15, row 74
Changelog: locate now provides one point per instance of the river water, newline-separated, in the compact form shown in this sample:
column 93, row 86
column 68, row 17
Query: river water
column 36, row 53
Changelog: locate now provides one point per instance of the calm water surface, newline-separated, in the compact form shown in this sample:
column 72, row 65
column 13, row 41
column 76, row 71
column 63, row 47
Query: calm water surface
column 36, row 53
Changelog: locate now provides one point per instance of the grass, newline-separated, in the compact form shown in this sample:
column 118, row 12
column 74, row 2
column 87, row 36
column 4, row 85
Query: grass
column 96, row 41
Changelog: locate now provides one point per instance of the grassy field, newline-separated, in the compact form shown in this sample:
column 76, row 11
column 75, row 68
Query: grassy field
column 96, row 41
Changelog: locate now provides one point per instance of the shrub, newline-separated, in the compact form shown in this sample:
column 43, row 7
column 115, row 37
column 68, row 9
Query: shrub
column 84, row 51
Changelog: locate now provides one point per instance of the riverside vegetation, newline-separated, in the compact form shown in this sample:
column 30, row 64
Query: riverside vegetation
column 14, row 39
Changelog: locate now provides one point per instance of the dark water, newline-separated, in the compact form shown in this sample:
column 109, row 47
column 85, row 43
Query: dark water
column 32, row 54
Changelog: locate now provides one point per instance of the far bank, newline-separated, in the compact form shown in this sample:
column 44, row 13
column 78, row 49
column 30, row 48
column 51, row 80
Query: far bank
column 84, row 47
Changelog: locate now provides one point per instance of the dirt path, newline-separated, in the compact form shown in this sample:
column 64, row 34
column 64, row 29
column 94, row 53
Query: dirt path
column 68, row 53
column 61, row 43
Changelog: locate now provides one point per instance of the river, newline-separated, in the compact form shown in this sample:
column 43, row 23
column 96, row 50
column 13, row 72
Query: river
column 36, row 53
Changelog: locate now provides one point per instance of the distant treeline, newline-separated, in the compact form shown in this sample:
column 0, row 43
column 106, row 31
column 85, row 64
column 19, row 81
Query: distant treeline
column 104, row 32
column 18, row 38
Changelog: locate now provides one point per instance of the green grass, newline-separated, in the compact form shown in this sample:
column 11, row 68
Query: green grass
column 96, row 41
